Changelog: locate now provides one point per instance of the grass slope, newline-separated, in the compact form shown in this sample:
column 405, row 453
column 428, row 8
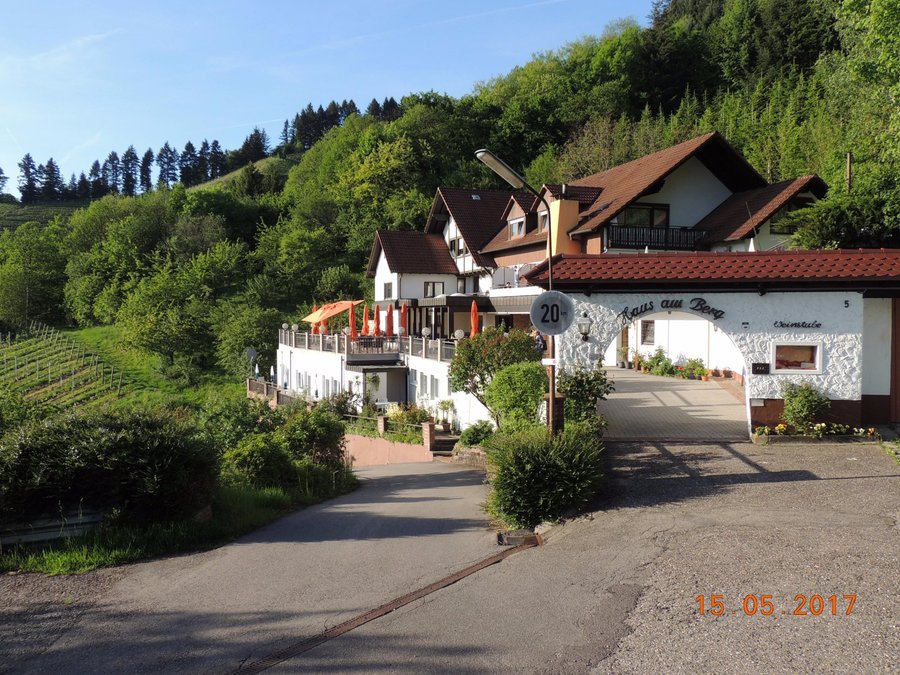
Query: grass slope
column 282, row 166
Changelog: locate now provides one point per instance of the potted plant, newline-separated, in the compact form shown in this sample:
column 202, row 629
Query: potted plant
column 447, row 409
column 637, row 360
column 623, row 357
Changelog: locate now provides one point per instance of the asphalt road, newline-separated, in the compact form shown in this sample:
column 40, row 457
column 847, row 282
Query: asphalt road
column 405, row 527
column 614, row 592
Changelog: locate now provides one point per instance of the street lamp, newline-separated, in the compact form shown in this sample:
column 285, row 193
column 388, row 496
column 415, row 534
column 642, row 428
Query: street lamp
column 506, row 172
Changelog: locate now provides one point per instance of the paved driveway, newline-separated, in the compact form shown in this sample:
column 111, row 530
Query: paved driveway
column 648, row 407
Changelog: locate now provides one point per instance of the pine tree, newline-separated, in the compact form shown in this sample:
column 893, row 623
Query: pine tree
column 167, row 161
column 71, row 190
column 147, row 171
column 83, row 190
column 114, row 172
column 188, row 165
column 98, row 187
column 28, row 177
column 374, row 109
column 129, row 172
column 3, row 180
column 391, row 110
column 285, row 138
column 216, row 160
column 348, row 108
column 203, row 162
column 52, row 184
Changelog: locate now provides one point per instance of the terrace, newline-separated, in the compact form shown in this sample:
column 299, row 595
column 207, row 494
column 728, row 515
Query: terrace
column 368, row 349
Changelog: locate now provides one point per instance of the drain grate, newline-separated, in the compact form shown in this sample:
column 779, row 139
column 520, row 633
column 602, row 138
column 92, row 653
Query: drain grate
column 336, row 631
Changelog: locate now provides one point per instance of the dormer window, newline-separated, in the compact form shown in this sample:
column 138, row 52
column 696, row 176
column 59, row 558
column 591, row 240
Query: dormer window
column 517, row 228
column 544, row 221
column 646, row 215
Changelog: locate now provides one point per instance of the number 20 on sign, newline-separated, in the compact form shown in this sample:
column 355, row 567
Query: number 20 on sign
column 552, row 312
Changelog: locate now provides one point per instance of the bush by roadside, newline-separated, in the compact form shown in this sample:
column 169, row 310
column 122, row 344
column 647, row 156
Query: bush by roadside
column 536, row 477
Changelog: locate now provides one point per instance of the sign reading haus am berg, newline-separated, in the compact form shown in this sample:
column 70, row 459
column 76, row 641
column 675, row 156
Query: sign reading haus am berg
column 699, row 305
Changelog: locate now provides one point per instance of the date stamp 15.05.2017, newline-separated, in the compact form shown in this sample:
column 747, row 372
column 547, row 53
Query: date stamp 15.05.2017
column 764, row 605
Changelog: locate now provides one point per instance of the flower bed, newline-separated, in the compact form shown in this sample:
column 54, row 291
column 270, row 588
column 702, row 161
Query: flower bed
column 820, row 433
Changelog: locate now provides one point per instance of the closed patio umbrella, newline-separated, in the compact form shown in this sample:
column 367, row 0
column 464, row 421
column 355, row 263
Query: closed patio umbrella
column 404, row 319
column 353, row 334
column 389, row 322
column 365, row 326
column 474, row 317
column 377, row 331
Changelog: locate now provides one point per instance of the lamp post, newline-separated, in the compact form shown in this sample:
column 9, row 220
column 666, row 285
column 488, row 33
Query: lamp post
column 506, row 172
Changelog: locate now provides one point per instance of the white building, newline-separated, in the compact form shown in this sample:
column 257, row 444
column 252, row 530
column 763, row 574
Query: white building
column 483, row 246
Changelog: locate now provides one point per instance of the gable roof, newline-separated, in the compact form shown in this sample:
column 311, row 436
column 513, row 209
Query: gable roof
column 477, row 214
column 621, row 185
column 411, row 253
column 778, row 270
column 585, row 196
column 743, row 212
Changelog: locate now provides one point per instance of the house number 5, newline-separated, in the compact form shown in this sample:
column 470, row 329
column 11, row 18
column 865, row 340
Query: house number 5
column 846, row 303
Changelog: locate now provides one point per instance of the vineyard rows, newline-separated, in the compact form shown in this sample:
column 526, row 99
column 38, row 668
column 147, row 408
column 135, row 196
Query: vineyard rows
column 52, row 370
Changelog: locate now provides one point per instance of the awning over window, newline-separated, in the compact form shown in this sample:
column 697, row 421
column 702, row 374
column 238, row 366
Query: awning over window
column 330, row 310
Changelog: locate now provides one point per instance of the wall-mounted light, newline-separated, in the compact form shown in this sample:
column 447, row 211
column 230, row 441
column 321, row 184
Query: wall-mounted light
column 584, row 326
column 426, row 332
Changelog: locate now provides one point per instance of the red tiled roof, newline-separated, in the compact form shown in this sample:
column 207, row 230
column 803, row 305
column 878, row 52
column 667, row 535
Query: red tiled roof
column 411, row 253
column 477, row 213
column 584, row 195
column 623, row 184
column 744, row 212
column 635, row 272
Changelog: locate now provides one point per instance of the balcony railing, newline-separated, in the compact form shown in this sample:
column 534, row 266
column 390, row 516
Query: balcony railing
column 369, row 348
column 658, row 238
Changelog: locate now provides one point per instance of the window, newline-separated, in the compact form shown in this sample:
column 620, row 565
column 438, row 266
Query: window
column 646, row 215
column 777, row 225
column 434, row 289
column 388, row 291
column 423, row 385
column 797, row 357
column 453, row 248
column 461, row 285
column 543, row 221
column 517, row 228
column 461, row 248
column 648, row 332
column 434, row 387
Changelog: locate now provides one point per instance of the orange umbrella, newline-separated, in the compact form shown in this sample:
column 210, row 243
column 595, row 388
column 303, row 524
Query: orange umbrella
column 389, row 322
column 324, row 327
column 474, row 317
column 377, row 331
column 404, row 319
column 315, row 327
column 365, row 326
column 353, row 334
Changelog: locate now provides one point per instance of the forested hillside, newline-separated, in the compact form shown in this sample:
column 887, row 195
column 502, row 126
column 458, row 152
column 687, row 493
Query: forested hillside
column 195, row 276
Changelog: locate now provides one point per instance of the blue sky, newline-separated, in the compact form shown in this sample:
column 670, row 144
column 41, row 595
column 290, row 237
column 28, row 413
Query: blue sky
column 81, row 79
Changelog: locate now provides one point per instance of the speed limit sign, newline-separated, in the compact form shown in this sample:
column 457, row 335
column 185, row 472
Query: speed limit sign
column 552, row 312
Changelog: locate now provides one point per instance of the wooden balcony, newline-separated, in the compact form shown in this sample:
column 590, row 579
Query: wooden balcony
column 654, row 238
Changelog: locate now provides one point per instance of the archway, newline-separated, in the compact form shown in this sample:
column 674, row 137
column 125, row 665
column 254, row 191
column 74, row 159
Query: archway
column 681, row 406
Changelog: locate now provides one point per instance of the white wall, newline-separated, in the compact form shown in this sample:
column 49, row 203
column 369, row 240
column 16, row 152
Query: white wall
column 691, row 191
column 383, row 275
column 877, row 320
column 319, row 366
column 468, row 409
column 748, row 321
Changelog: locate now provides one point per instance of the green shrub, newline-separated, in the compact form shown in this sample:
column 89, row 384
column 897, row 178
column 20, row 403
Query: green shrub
column 537, row 477
column 259, row 460
column 342, row 405
column 143, row 466
column 476, row 435
column 315, row 434
column 516, row 392
column 407, row 413
column 803, row 405
column 694, row 368
column 583, row 389
column 660, row 364
column 228, row 420
column 15, row 409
